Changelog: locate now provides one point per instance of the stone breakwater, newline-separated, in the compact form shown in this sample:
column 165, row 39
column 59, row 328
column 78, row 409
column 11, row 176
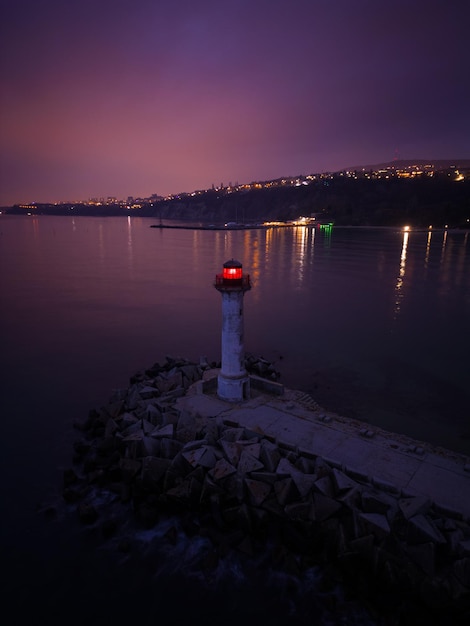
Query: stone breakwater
column 245, row 490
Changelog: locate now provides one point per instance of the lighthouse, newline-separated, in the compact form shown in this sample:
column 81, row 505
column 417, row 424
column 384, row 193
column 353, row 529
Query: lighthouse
column 233, row 383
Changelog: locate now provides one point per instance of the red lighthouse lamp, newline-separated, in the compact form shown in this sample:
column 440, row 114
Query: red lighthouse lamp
column 232, row 276
column 231, row 272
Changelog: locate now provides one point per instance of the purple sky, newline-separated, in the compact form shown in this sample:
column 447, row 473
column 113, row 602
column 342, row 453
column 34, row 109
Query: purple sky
column 134, row 97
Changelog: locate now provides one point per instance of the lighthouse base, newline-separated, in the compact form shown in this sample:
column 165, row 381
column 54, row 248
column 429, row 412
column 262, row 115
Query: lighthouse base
column 233, row 389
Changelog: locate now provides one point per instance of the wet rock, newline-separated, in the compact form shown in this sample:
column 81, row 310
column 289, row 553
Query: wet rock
column 232, row 434
column 269, row 455
column 285, row 491
column 325, row 506
column 210, row 489
column 325, row 486
column 248, row 463
column 424, row 556
column 87, row 513
column 412, row 506
column 163, row 431
column 300, row 511
column 374, row 503
column 170, row 448
column 376, row 523
column 69, row 478
column 153, row 470
column 222, row 469
column 461, row 570
column 342, row 482
column 422, row 529
column 129, row 468
column 186, row 429
column 363, row 546
column 257, row 491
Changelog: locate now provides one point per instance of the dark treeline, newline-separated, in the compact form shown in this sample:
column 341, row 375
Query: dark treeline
column 419, row 202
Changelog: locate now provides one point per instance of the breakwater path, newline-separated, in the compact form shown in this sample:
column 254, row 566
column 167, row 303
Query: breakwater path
column 392, row 462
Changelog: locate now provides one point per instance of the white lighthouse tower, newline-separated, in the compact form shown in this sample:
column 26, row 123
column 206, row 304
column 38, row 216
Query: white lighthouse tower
column 233, row 383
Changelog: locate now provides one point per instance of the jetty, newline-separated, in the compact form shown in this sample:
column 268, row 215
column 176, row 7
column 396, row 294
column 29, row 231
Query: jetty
column 212, row 226
column 386, row 512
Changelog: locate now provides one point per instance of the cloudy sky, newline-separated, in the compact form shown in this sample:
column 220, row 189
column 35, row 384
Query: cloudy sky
column 134, row 97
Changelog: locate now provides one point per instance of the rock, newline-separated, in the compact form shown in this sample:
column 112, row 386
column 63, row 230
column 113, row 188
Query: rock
column 412, row 506
column 325, row 506
column 163, row 431
column 269, row 455
column 210, row 489
column 341, row 481
column 211, row 432
column 272, row 506
column 111, row 428
column 464, row 546
column 170, row 448
column 186, row 428
column 232, row 434
column 231, row 451
column 191, row 373
column 461, row 570
column 222, row 469
column 87, row 513
column 81, row 448
column 108, row 528
column 376, row 523
column 363, row 546
column 153, row 470
column 421, row 529
column 250, row 448
column 423, row 555
column 265, row 477
column 69, row 478
column 152, row 414
column 248, row 463
column 148, row 392
column 129, row 468
column 169, row 382
column 324, row 486
column 300, row 511
column 71, row 495
column 284, row 490
column 246, row 546
column 374, row 502
column 257, row 491
column 203, row 456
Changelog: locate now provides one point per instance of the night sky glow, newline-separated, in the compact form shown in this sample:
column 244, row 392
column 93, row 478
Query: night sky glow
column 134, row 97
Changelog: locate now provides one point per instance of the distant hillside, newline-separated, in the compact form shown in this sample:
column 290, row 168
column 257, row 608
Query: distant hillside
column 438, row 164
column 344, row 200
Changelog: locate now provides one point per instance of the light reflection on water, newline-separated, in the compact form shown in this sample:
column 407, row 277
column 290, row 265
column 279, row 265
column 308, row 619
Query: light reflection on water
column 371, row 322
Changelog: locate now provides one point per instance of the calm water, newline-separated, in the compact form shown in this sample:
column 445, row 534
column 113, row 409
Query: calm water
column 373, row 323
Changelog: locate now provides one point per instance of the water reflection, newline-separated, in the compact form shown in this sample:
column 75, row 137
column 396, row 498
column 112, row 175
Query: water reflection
column 102, row 251
column 130, row 252
column 35, row 227
column 300, row 242
column 326, row 229
column 443, row 248
column 401, row 274
column 428, row 248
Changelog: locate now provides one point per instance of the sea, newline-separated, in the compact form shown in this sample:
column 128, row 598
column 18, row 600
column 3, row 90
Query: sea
column 373, row 323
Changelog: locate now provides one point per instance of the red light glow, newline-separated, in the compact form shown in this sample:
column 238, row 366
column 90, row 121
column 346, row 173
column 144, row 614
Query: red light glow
column 232, row 273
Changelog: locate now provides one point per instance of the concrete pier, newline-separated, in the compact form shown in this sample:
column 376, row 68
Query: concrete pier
column 390, row 461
